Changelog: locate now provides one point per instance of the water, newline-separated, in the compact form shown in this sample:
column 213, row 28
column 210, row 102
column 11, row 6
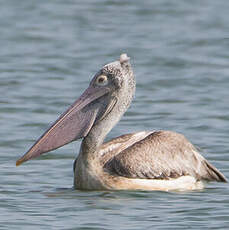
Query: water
column 50, row 50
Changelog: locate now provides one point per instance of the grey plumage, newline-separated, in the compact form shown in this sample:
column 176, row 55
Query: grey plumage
column 159, row 160
column 162, row 155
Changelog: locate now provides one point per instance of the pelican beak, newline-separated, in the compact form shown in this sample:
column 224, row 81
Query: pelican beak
column 73, row 124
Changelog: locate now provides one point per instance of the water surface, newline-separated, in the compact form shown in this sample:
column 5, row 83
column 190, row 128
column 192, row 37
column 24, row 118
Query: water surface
column 49, row 52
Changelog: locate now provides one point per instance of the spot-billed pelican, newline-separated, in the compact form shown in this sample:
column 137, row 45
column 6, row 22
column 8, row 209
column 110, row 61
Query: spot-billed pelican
column 148, row 160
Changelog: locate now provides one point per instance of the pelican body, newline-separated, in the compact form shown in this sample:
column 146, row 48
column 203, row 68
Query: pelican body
column 148, row 160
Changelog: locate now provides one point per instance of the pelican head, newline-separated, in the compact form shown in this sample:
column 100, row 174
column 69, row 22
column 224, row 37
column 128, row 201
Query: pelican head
column 96, row 111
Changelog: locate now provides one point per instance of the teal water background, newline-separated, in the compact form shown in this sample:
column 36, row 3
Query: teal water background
column 49, row 51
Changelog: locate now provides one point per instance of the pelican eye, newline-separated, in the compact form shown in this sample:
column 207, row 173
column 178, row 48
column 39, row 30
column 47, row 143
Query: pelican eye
column 102, row 80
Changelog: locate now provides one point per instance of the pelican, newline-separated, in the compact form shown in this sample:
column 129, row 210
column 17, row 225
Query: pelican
column 148, row 160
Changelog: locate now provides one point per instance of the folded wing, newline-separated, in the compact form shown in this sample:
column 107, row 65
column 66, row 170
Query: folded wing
column 162, row 155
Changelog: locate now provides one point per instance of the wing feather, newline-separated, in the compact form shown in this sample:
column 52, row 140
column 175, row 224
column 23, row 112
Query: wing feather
column 162, row 155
